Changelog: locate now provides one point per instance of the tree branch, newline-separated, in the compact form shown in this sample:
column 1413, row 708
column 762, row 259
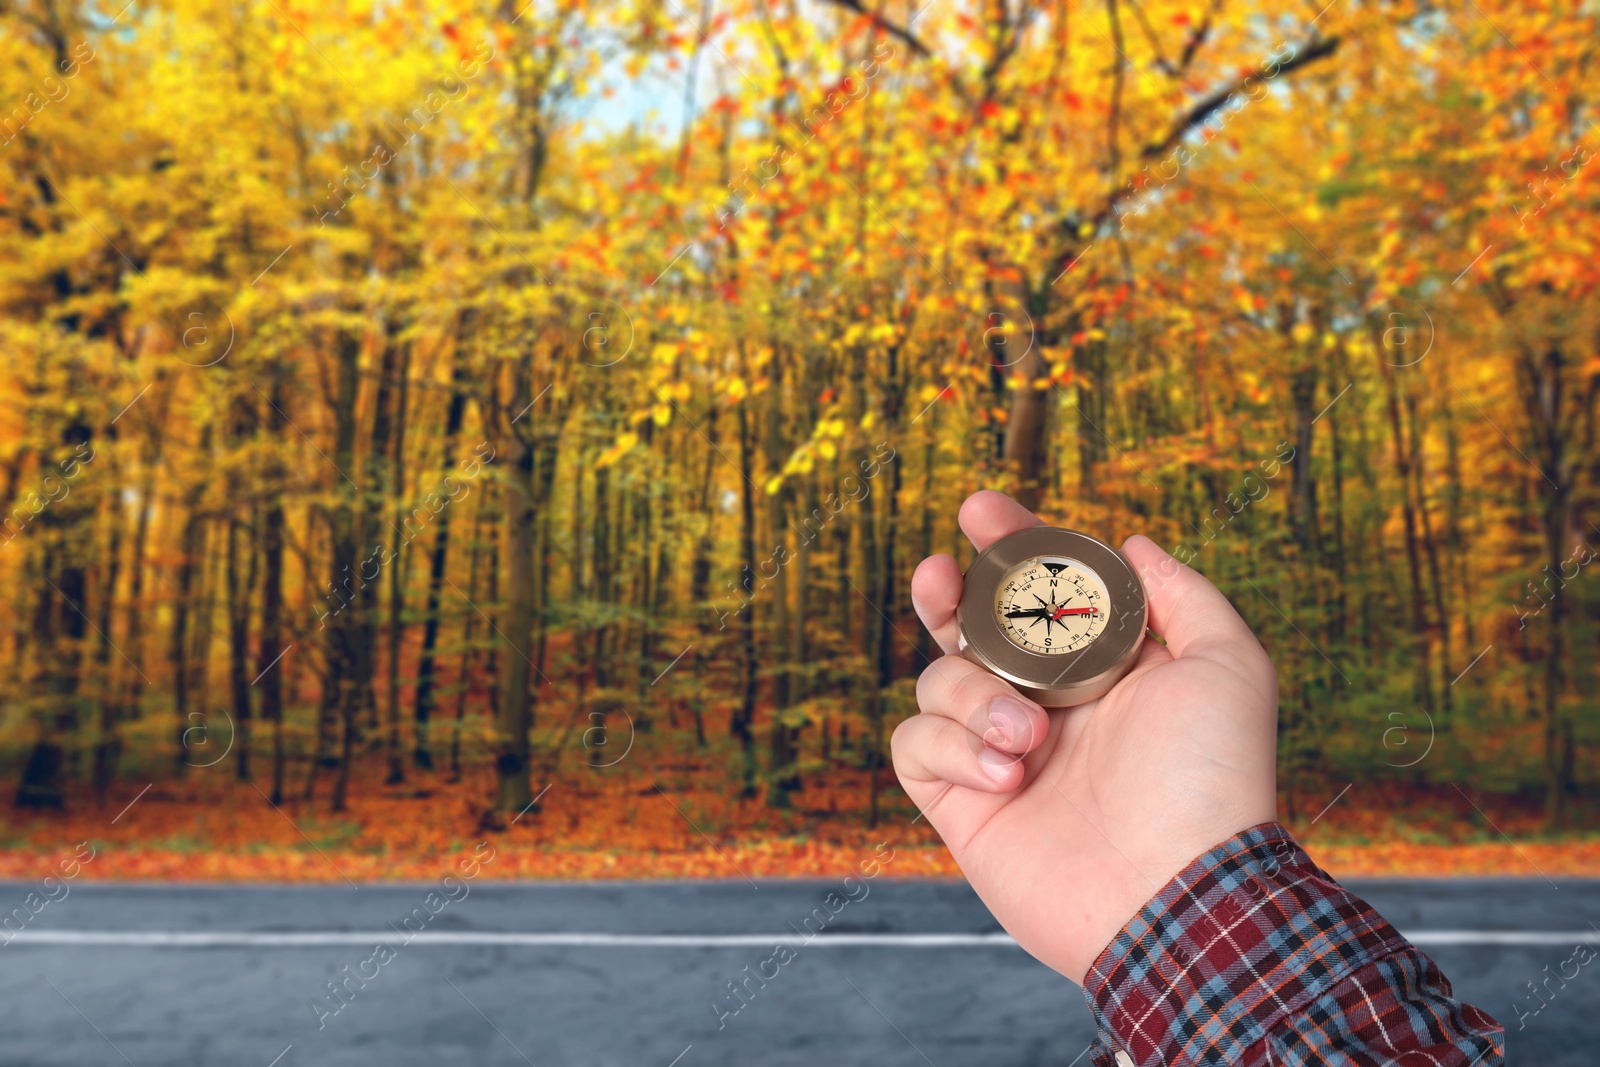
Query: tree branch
column 1151, row 38
column 904, row 34
column 1198, row 37
column 1207, row 106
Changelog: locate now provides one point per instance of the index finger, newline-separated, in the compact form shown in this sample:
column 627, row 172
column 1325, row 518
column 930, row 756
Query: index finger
column 985, row 517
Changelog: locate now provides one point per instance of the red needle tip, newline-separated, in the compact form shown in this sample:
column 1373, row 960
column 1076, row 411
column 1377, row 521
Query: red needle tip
column 1073, row 611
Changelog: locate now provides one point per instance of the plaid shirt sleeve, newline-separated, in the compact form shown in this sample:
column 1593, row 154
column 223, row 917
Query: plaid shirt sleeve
column 1254, row 955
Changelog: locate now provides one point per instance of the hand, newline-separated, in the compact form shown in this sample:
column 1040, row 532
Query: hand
column 1067, row 822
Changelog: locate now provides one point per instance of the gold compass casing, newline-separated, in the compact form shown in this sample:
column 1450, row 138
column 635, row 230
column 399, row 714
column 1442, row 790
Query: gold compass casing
column 1060, row 680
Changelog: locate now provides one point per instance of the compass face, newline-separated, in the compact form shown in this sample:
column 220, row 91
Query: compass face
column 1052, row 605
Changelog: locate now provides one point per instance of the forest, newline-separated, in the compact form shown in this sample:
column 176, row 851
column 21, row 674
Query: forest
column 435, row 419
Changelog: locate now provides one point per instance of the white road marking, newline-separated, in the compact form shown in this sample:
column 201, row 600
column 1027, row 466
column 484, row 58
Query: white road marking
column 316, row 938
column 321, row 938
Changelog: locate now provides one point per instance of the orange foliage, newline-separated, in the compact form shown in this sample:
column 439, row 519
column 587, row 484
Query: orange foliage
column 607, row 825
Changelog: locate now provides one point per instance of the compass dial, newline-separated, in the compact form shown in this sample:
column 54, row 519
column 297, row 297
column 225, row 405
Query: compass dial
column 1052, row 605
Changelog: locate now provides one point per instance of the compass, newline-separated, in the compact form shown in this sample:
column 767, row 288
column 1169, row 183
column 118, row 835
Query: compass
column 1055, row 612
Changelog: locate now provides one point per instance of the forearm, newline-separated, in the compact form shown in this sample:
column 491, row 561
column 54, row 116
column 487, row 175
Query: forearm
column 1253, row 954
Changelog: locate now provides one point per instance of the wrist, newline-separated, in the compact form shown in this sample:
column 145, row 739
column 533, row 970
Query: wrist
column 1149, row 871
column 1251, row 931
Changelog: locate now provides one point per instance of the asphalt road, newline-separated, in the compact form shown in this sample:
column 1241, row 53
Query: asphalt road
column 627, row 974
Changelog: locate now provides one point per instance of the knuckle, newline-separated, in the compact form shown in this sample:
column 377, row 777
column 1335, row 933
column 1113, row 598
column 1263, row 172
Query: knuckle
column 940, row 675
column 900, row 746
column 925, row 684
column 901, row 737
column 972, row 690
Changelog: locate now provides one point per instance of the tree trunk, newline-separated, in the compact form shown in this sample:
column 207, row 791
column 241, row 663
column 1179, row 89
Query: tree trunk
column 270, row 650
column 1402, row 459
column 131, row 699
column 1542, row 379
column 60, row 623
column 783, row 739
column 512, row 792
column 604, row 576
column 891, row 405
column 925, row 643
column 369, row 548
column 700, row 572
column 397, row 568
column 468, row 653
column 240, row 590
column 178, row 643
column 340, row 695
column 1431, row 549
column 108, row 743
column 1302, row 485
column 741, row 723
column 422, row 754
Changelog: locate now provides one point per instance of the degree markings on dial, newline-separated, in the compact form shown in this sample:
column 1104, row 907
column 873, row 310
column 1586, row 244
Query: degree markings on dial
column 1069, row 589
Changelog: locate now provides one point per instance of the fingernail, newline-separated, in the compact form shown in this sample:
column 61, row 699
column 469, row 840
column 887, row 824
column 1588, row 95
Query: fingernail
column 996, row 765
column 1010, row 718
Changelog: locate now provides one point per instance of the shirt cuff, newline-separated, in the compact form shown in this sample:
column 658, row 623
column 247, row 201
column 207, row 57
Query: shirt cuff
column 1246, row 936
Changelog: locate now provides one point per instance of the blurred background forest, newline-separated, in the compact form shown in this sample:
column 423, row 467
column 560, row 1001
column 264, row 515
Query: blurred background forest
column 444, row 418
